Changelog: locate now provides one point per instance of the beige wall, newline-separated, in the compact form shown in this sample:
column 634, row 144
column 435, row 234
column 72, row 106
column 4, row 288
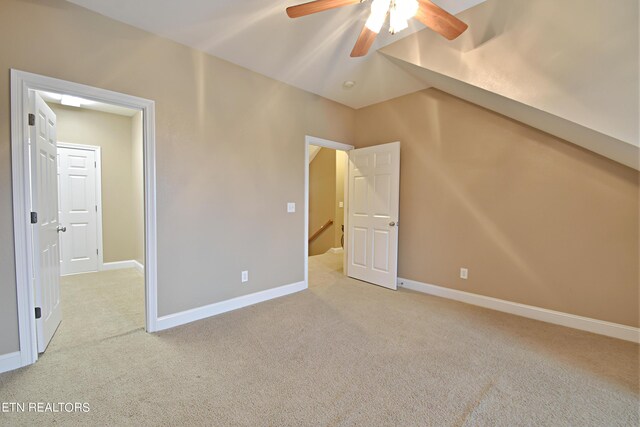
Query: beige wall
column 216, row 124
column 114, row 134
column 535, row 219
column 322, row 196
column 137, row 177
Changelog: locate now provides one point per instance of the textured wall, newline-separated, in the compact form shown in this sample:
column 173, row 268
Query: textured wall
column 322, row 196
column 535, row 219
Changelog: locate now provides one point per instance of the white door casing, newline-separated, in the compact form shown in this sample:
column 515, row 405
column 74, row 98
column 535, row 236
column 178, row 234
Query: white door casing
column 77, row 172
column 374, row 195
column 26, row 259
column 44, row 201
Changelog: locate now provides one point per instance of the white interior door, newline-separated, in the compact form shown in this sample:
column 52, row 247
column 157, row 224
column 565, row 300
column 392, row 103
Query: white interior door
column 374, row 195
column 78, row 210
column 44, row 201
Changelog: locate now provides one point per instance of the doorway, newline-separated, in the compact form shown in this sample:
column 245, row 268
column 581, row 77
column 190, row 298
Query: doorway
column 35, row 277
column 330, row 229
column 100, row 187
column 371, row 211
column 326, row 200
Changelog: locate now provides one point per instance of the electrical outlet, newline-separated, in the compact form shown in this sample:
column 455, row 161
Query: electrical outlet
column 245, row 276
column 341, row 204
column 464, row 273
column 291, row 207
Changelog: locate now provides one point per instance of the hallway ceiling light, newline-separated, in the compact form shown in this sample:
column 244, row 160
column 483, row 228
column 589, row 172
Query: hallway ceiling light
column 74, row 101
column 71, row 101
column 55, row 96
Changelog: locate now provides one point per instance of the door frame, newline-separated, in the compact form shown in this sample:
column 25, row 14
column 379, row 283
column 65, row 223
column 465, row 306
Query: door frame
column 98, row 157
column 21, row 83
column 320, row 142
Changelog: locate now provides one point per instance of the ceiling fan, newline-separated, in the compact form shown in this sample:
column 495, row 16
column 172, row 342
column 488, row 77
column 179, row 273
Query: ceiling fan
column 399, row 11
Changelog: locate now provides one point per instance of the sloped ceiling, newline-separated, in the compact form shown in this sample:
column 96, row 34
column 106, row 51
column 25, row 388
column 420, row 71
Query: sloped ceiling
column 569, row 68
column 311, row 53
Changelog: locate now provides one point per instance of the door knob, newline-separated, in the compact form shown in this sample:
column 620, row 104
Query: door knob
column 392, row 224
column 61, row 228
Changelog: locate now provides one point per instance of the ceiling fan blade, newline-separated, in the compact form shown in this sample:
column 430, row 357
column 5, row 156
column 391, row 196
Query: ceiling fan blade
column 439, row 20
column 317, row 6
column 364, row 42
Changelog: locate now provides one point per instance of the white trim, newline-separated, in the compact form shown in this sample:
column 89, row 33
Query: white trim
column 10, row 361
column 312, row 140
column 615, row 330
column 138, row 266
column 21, row 83
column 345, row 214
column 97, row 150
column 188, row 316
column 22, row 234
column 335, row 251
column 119, row 265
column 75, row 146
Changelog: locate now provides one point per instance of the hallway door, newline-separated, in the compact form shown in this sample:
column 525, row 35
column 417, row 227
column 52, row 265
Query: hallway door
column 77, row 170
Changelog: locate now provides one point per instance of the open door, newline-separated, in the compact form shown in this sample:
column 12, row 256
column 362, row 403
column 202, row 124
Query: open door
column 44, row 202
column 374, row 196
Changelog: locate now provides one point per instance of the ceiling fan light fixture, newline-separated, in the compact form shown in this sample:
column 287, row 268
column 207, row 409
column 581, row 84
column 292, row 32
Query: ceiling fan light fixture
column 406, row 9
column 397, row 22
column 401, row 11
column 379, row 9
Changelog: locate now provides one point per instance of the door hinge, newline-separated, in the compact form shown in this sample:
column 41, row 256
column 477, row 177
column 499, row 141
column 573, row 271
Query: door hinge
column 32, row 119
column 34, row 217
column 95, row 164
column 96, row 208
column 38, row 313
column 96, row 252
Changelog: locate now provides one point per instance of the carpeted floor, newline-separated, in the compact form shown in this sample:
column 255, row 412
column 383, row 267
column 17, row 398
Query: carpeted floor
column 341, row 353
column 97, row 306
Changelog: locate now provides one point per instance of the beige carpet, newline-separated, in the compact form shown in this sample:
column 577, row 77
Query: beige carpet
column 341, row 353
column 97, row 306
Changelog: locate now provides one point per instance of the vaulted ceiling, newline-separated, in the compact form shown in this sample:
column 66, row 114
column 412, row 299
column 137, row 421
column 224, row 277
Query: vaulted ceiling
column 311, row 52
column 569, row 68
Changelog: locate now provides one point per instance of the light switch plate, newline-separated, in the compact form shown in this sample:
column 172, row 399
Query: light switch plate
column 291, row 207
column 245, row 276
column 341, row 204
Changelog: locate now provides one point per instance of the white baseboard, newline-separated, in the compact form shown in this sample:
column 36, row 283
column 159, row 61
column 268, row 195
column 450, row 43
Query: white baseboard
column 119, row 265
column 335, row 250
column 138, row 266
column 10, row 361
column 595, row 326
column 188, row 316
